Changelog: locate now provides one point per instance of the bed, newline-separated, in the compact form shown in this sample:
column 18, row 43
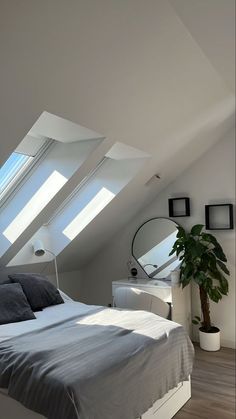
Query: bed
column 88, row 362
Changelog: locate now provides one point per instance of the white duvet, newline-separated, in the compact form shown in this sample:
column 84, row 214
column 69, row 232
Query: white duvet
column 47, row 316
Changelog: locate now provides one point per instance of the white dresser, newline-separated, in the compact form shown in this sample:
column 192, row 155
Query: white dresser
column 180, row 299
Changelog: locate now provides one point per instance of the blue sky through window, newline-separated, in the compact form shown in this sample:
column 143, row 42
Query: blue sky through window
column 11, row 169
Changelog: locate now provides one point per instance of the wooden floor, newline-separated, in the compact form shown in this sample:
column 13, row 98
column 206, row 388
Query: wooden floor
column 213, row 386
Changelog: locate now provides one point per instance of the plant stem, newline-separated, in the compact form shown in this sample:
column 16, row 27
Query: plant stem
column 205, row 309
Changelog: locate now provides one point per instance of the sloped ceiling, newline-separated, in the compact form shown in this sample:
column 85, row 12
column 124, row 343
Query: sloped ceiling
column 212, row 25
column 138, row 72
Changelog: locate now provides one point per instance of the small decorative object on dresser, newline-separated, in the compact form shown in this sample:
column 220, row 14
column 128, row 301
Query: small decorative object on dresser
column 203, row 261
column 179, row 207
column 132, row 269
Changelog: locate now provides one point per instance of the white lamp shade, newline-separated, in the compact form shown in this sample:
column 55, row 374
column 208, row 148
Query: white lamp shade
column 38, row 248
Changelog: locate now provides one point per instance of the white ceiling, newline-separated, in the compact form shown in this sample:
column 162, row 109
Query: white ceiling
column 155, row 75
column 212, row 25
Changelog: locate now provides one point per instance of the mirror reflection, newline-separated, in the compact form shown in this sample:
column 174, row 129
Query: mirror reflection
column 152, row 244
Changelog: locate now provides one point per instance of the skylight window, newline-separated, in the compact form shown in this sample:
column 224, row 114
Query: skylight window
column 12, row 170
column 20, row 163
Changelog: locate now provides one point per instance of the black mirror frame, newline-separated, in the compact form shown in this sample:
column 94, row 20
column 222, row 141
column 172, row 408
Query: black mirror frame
column 150, row 219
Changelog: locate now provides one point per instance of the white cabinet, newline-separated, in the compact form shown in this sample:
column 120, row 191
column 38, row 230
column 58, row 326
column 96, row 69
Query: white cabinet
column 180, row 299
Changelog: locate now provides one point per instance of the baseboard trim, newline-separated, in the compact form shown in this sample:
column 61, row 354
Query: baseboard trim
column 225, row 343
column 228, row 343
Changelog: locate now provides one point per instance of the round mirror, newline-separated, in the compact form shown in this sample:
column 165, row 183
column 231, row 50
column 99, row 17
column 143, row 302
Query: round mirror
column 152, row 244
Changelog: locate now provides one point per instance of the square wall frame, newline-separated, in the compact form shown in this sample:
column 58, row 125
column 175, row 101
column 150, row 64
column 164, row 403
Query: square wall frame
column 219, row 217
column 179, row 207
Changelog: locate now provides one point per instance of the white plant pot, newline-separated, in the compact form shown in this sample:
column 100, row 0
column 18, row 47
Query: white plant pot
column 210, row 341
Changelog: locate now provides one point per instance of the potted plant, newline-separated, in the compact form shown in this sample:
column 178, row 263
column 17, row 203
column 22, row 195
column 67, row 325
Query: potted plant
column 203, row 261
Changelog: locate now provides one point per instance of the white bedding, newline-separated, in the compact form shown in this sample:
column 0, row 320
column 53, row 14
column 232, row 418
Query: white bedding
column 84, row 360
column 157, row 339
column 47, row 316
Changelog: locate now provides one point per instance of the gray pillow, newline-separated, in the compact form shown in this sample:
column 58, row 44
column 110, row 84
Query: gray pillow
column 4, row 272
column 5, row 281
column 39, row 292
column 14, row 305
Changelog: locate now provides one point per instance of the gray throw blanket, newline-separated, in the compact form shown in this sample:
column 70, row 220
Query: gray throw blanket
column 99, row 364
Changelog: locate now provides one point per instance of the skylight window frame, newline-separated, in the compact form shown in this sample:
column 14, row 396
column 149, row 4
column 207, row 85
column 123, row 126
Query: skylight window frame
column 17, row 173
column 26, row 170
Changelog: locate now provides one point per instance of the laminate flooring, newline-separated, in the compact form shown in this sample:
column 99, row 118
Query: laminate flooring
column 213, row 386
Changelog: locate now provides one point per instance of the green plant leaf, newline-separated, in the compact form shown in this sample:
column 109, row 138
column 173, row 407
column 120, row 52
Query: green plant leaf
column 200, row 278
column 181, row 232
column 172, row 252
column 185, row 281
column 214, row 294
column 195, row 322
column 219, row 253
column 224, row 285
column 198, row 318
column 179, row 249
column 204, row 262
column 191, row 249
column 214, row 273
column 209, row 238
column 196, row 230
column 222, row 266
column 174, row 248
column 200, row 249
column 188, row 270
column 211, row 261
column 208, row 284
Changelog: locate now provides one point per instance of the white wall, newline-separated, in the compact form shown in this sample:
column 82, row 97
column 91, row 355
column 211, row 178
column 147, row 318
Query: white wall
column 211, row 179
column 70, row 283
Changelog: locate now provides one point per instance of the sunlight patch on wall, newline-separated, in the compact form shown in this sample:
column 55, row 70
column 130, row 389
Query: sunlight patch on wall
column 95, row 206
column 39, row 200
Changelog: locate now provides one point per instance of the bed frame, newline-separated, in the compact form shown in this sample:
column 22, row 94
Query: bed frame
column 166, row 407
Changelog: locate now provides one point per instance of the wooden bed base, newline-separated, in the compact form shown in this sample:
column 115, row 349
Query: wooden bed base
column 166, row 407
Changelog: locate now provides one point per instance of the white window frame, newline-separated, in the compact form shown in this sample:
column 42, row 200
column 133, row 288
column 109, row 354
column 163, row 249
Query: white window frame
column 17, row 182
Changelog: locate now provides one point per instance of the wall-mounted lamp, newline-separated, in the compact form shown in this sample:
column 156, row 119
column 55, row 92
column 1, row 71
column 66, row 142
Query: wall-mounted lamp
column 39, row 250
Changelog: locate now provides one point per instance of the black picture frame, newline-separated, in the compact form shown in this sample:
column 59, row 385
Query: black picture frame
column 172, row 209
column 212, row 225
